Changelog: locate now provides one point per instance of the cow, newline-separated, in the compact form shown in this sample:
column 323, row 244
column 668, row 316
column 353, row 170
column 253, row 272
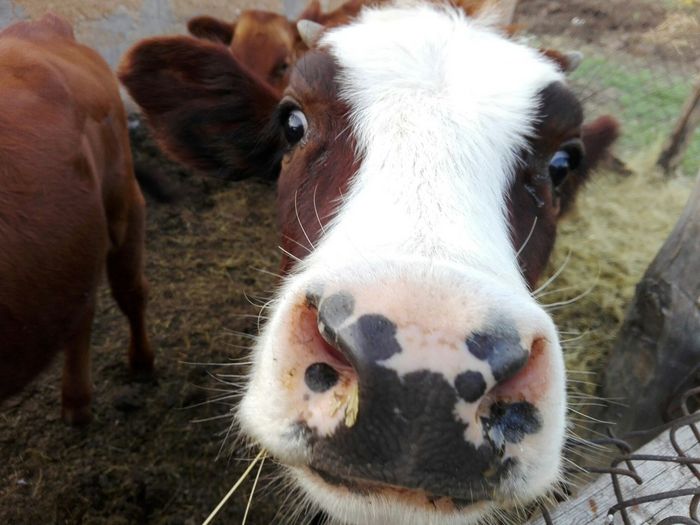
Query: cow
column 268, row 43
column 69, row 208
column 406, row 373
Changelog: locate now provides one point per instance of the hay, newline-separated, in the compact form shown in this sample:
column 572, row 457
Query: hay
column 609, row 239
column 679, row 30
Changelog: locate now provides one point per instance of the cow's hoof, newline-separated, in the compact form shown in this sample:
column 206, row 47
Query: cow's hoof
column 76, row 416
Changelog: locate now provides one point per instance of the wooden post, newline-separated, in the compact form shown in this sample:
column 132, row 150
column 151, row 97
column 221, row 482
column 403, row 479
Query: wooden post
column 678, row 142
column 657, row 351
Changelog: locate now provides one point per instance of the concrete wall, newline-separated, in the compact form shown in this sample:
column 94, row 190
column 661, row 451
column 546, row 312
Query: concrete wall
column 112, row 26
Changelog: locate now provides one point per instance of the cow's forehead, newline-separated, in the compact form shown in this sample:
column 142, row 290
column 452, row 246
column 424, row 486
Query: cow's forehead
column 315, row 75
column 438, row 101
column 437, row 42
column 466, row 72
column 435, row 53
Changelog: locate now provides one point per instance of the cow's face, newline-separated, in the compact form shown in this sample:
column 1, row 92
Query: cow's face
column 269, row 43
column 265, row 42
column 406, row 374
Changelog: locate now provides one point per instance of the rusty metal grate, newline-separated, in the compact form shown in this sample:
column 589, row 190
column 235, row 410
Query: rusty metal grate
column 639, row 480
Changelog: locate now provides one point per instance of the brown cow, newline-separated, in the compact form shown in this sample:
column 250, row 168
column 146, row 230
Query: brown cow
column 268, row 43
column 407, row 373
column 69, row 206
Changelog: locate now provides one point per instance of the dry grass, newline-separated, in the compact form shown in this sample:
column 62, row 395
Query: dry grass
column 609, row 240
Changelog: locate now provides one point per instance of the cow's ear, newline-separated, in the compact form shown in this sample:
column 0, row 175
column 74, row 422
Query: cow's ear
column 567, row 62
column 213, row 29
column 597, row 137
column 205, row 107
column 312, row 11
column 343, row 13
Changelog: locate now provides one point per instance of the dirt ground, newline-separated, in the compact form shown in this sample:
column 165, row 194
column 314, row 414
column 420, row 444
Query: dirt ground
column 153, row 452
column 654, row 31
column 144, row 458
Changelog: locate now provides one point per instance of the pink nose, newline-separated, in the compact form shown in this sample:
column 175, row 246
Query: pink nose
column 489, row 349
column 423, row 385
column 372, row 340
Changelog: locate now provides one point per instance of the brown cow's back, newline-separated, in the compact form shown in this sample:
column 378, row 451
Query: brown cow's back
column 66, row 191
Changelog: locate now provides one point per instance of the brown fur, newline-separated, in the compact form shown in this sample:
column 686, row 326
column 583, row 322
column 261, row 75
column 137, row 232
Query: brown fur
column 314, row 177
column 217, row 105
column 314, row 174
column 535, row 206
column 268, row 43
column 69, row 207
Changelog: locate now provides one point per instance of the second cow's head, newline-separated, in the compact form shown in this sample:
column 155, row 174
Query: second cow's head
column 266, row 42
column 424, row 160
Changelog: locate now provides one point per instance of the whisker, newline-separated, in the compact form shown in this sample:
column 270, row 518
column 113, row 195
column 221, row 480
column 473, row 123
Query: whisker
column 232, row 376
column 320, row 224
column 293, row 257
column 581, row 382
column 266, row 272
column 582, row 372
column 227, row 434
column 554, row 306
column 238, row 333
column 262, row 309
column 296, row 212
column 209, row 419
column 245, row 316
column 557, row 291
column 210, row 363
column 527, row 239
column 219, row 399
column 591, row 418
column 250, row 298
column 300, row 245
column 553, row 277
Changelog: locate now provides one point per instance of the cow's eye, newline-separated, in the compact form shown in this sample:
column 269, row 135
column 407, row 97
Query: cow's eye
column 565, row 160
column 295, row 126
column 280, row 69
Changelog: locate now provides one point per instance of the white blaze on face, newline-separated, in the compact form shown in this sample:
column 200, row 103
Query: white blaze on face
column 440, row 107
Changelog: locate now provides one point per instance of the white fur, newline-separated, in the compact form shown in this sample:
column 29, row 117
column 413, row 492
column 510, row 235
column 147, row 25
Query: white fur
column 440, row 107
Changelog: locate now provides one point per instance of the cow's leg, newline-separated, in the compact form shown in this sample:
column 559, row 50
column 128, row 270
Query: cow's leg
column 76, row 391
column 129, row 286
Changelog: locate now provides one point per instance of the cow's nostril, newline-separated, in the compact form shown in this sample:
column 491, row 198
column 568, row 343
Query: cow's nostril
column 335, row 310
column 320, row 377
column 320, row 341
column 502, row 350
column 329, row 342
column 528, row 382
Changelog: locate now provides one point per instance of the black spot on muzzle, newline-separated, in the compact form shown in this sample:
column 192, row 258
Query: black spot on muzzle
column 470, row 385
column 407, row 435
column 369, row 339
column 513, row 421
column 373, row 337
column 335, row 309
column 501, row 349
